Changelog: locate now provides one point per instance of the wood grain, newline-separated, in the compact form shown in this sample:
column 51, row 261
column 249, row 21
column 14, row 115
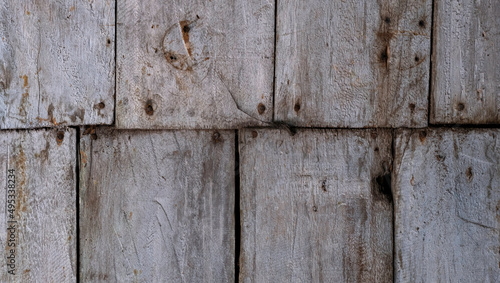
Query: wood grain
column 56, row 63
column 353, row 63
column 44, row 205
column 447, row 205
column 157, row 206
column 194, row 64
column 466, row 72
column 315, row 206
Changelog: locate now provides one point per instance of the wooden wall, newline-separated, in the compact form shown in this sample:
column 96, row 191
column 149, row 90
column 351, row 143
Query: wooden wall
column 250, row 141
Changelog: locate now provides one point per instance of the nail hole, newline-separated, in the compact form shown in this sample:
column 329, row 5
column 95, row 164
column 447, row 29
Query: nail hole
column 460, row 106
column 296, row 107
column 411, row 106
column 108, row 41
column 101, row 105
column 60, row 137
column 255, row 134
column 261, row 108
column 149, row 107
column 217, row 137
column 417, row 59
column 421, row 23
column 384, row 56
column 315, row 208
column 323, row 186
column 387, row 20
column 186, row 29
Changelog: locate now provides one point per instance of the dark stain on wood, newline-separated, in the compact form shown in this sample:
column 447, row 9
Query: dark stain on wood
column 381, row 188
column 469, row 174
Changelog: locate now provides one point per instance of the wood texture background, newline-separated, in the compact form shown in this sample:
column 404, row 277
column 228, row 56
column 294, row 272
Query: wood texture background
column 44, row 163
column 466, row 72
column 157, row 206
column 447, row 205
column 194, row 64
column 56, row 63
column 191, row 140
column 353, row 63
column 311, row 207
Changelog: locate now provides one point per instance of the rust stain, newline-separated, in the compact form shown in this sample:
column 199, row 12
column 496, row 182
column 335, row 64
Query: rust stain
column 72, row 8
column 412, row 181
column 422, row 136
column 24, row 98
column 469, row 174
column 83, row 157
column 59, row 137
column 185, row 35
column 130, row 215
column 90, row 130
column 25, row 79
column 51, row 119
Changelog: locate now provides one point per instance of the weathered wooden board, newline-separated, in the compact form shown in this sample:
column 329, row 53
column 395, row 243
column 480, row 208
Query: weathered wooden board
column 56, row 63
column 316, row 207
column 157, row 206
column 38, row 215
column 447, row 201
column 466, row 66
column 194, row 64
column 353, row 63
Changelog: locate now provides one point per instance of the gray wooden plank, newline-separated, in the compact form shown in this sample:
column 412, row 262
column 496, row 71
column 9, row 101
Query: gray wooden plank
column 313, row 207
column 157, row 206
column 38, row 176
column 353, row 63
column 447, row 205
column 466, row 68
column 194, row 64
column 56, row 63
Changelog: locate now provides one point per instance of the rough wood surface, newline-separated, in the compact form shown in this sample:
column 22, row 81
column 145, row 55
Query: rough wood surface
column 466, row 68
column 43, row 202
column 157, row 206
column 313, row 206
column 56, row 63
column 353, row 63
column 447, row 205
column 194, row 64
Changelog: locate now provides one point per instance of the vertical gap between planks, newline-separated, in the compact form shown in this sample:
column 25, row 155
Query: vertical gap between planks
column 274, row 55
column 77, row 203
column 116, row 69
column 393, row 153
column 237, row 219
column 431, row 69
